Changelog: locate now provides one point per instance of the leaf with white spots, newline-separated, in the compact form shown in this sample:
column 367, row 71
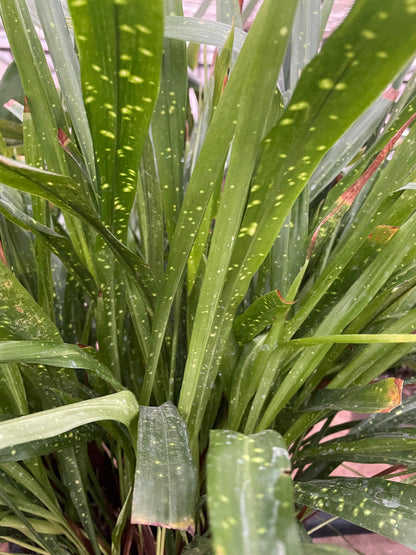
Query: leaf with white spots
column 121, row 407
column 201, row 31
column 250, row 495
column 165, row 481
column 120, row 48
column 168, row 123
column 24, row 451
column 384, row 507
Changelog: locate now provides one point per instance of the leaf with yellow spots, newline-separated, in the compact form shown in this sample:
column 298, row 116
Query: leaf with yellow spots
column 250, row 497
column 120, row 49
column 263, row 312
column 384, row 507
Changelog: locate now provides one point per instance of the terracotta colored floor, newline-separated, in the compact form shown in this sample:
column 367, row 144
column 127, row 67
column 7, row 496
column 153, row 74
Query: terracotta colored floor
column 368, row 544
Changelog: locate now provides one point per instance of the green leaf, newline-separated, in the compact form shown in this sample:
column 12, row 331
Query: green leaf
column 67, row 195
column 386, row 448
column 66, row 64
column 168, row 123
column 121, row 407
column 60, row 355
column 382, row 396
column 41, row 447
column 120, row 49
column 250, row 495
column 165, row 481
column 384, row 507
column 74, row 479
column 58, row 244
column 259, row 315
column 21, row 317
column 10, row 88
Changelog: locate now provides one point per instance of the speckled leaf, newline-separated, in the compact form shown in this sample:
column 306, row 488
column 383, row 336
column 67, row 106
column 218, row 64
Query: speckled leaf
column 165, row 481
column 67, row 195
column 60, row 355
column 58, row 244
column 120, row 48
column 121, row 407
column 202, row 31
column 386, row 508
column 250, row 499
column 251, row 68
column 21, row 317
column 74, row 477
column 259, row 315
column 404, row 415
column 65, row 61
column 382, row 396
column 390, row 448
column 39, row 88
column 168, row 123
column 40, row 447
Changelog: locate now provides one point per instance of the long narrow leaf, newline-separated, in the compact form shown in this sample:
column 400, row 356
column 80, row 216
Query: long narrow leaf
column 121, row 407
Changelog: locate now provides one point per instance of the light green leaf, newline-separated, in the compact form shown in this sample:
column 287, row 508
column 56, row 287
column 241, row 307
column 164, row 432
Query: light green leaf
column 165, row 481
column 60, row 355
column 197, row 30
column 121, row 407
column 250, row 495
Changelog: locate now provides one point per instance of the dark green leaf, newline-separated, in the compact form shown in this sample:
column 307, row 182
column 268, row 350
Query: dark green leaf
column 386, row 508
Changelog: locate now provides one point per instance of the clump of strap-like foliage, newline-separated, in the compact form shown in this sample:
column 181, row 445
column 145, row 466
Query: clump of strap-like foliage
column 184, row 296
